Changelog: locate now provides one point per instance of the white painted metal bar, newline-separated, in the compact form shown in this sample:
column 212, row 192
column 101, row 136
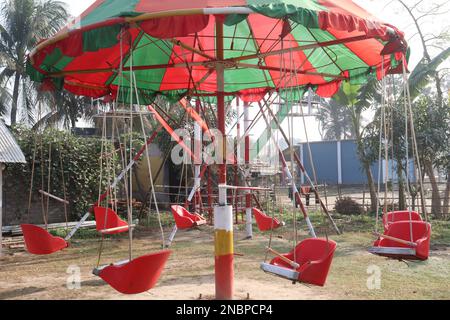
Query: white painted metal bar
column 225, row 187
column 248, row 200
column 228, row 10
column 339, row 161
column 280, row 271
column 302, row 174
column 78, row 226
column 97, row 271
column 393, row 251
column 172, row 235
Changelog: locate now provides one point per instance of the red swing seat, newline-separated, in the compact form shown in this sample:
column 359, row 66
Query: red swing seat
column 39, row 241
column 137, row 276
column 264, row 222
column 421, row 232
column 314, row 256
column 396, row 216
column 111, row 218
column 186, row 220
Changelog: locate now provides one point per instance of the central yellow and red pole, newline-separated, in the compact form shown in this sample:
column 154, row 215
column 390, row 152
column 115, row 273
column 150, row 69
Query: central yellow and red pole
column 223, row 213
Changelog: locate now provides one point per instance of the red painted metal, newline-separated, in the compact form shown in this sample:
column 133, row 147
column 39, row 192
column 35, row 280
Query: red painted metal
column 137, row 276
column 172, row 133
column 314, row 256
column 210, row 194
column 38, row 241
column 223, row 270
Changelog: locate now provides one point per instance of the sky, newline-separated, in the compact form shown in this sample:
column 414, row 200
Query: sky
column 387, row 10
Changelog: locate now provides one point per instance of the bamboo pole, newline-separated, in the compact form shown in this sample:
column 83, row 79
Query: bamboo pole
column 49, row 195
column 117, row 229
column 293, row 264
column 408, row 243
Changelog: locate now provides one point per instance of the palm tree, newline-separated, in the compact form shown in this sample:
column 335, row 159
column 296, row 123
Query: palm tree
column 65, row 109
column 335, row 121
column 23, row 23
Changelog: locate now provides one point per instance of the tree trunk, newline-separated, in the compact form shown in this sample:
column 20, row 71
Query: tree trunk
column 15, row 99
column 372, row 189
column 436, row 208
column 73, row 121
column 401, row 186
column 446, row 208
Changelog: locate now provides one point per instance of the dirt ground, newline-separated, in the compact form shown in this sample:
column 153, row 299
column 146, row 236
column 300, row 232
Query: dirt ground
column 189, row 273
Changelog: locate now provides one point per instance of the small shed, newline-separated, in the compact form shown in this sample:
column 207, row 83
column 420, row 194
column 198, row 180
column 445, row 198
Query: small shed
column 10, row 152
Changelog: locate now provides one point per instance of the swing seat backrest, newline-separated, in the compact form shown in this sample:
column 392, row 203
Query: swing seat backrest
column 137, row 276
column 421, row 233
column 106, row 218
column 314, row 257
column 264, row 222
column 39, row 241
column 396, row 216
column 184, row 219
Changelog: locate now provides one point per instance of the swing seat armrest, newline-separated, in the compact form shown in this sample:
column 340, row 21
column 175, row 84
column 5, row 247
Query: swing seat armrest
column 200, row 217
column 421, row 240
column 306, row 266
column 312, row 263
column 200, row 222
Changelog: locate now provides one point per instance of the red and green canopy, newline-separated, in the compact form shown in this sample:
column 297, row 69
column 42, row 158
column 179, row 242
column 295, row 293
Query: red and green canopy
column 170, row 48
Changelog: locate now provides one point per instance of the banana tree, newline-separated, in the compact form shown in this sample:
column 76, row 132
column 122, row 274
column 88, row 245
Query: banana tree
column 348, row 96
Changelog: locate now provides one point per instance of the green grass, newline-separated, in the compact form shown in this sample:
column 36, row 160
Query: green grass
column 193, row 257
column 349, row 273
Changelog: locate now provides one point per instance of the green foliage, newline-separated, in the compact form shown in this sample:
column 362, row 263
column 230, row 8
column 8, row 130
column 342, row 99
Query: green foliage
column 432, row 123
column 423, row 74
column 348, row 206
column 80, row 166
column 23, row 23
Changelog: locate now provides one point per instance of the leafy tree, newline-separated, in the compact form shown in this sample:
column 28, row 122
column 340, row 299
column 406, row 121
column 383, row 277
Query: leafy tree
column 335, row 121
column 23, row 23
column 65, row 108
column 81, row 167
column 433, row 136
column 426, row 80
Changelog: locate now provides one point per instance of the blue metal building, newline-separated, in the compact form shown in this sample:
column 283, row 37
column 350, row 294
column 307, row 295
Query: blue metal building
column 337, row 162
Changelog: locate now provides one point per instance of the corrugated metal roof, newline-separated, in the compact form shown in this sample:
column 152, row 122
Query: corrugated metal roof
column 10, row 151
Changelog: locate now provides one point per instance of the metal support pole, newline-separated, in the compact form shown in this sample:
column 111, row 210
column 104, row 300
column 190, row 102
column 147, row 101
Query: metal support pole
column 248, row 194
column 223, row 214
